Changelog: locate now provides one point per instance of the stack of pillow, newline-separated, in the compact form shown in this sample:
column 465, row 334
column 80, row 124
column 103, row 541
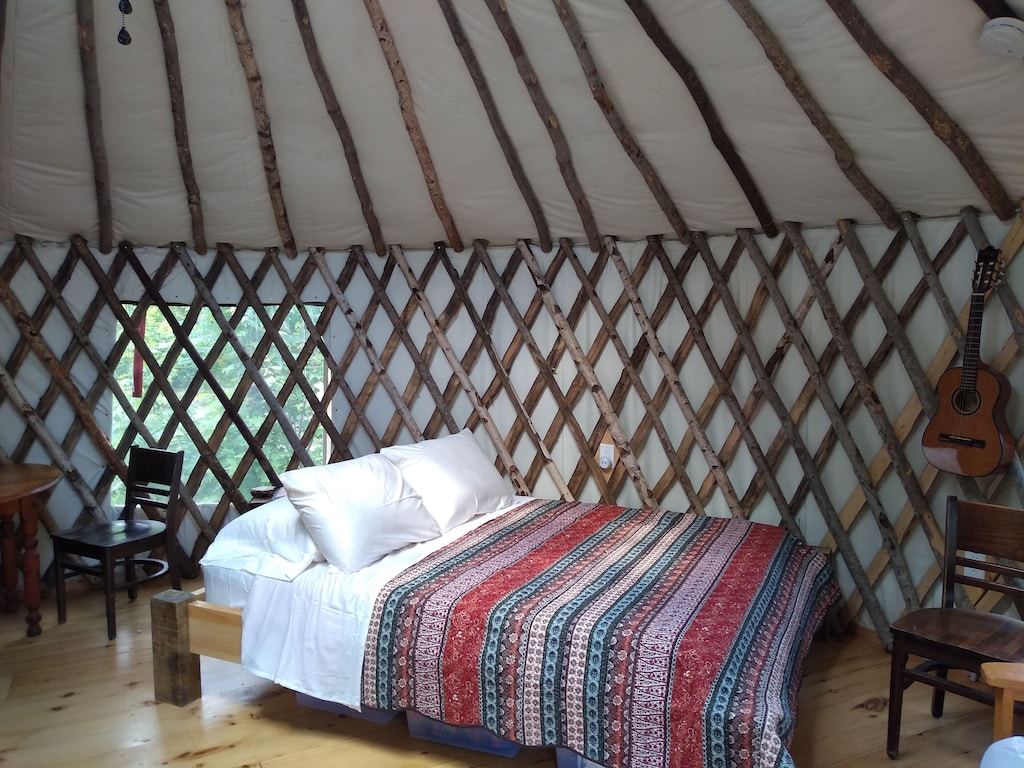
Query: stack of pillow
column 353, row 513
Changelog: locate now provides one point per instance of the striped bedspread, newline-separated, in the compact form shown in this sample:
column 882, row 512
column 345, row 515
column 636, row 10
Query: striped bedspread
column 637, row 638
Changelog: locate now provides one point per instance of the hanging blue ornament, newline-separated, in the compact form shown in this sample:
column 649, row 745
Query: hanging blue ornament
column 125, row 7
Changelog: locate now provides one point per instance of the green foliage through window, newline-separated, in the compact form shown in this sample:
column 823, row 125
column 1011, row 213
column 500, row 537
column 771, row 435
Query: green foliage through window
column 207, row 410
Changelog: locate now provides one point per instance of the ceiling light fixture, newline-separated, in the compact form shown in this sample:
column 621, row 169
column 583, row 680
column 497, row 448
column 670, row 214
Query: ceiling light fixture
column 1003, row 36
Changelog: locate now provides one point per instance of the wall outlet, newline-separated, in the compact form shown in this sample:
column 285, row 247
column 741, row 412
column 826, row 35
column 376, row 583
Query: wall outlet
column 606, row 456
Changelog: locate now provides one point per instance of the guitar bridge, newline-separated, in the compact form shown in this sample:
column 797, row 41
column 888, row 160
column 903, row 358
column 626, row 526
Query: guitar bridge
column 968, row 442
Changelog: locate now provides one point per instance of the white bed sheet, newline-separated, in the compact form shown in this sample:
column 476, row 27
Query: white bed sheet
column 309, row 634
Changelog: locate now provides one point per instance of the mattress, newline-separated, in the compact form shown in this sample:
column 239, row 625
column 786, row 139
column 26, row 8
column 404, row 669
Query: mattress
column 292, row 627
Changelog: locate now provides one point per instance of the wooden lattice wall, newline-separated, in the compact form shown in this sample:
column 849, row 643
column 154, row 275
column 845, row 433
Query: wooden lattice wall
column 785, row 380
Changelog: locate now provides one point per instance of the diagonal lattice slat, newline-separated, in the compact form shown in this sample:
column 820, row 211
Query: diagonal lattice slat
column 785, row 380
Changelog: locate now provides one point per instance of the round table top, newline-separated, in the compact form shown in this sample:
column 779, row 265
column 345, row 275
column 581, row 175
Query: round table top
column 20, row 480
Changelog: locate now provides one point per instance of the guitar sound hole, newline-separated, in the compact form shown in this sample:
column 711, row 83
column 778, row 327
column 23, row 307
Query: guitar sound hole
column 966, row 401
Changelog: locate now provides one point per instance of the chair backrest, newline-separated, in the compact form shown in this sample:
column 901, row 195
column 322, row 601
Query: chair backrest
column 154, row 481
column 984, row 548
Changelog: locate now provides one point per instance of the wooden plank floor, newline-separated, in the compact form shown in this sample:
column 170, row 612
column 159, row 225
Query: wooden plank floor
column 71, row 698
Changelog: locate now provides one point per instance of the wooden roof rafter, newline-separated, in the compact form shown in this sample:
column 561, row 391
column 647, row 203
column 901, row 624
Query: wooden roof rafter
column 323, row 81
column 412, row 123
column 617, row 123
column 259, row 107
column 501, row 134
column 942, row 125
column 844, row 156
column 94, row 123
column 546, row 112
column 702, row 99
column 165, row 21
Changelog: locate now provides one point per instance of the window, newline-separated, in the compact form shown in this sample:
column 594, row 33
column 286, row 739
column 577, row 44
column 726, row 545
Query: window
column 229, row 440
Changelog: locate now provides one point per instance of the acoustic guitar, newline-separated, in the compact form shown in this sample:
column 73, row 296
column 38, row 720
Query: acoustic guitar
column 969, row 435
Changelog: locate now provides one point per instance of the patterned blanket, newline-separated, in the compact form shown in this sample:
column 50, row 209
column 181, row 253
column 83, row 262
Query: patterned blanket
column 637, row 638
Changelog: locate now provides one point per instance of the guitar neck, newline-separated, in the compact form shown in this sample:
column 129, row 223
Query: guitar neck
column 972, row 344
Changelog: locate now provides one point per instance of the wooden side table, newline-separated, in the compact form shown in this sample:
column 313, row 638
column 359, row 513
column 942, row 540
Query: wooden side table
column 23, row 489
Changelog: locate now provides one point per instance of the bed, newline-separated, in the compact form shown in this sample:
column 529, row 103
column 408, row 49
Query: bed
column 621, row 637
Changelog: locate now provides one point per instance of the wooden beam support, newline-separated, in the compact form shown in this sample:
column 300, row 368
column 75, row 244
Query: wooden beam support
column 412, row 123
column 94, row 123
column 702, row 100
column 618, row 125
column 563, row 155
column 501, row 133
column 172, row 66
column 943, row 126
column 177, row 674
column 263, row 133
column 323, row 81
column 815, row 113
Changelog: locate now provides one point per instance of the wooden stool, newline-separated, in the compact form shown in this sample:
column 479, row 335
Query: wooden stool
column 1008, row 680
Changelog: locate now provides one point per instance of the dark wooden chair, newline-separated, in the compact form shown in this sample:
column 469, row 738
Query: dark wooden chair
column 984, row 549
column 154, row 478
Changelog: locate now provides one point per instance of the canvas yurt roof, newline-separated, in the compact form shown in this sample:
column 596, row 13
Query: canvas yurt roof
column 327, row 124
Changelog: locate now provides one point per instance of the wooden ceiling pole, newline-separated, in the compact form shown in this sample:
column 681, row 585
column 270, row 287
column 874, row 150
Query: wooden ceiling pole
column 263, row 134
column 508, row 149
column 942, row 125
column 995, row 9
column 819, row 119
column 173, row 68
column 412, row 123
column 546, row 112
column 94, row 123
column 3, row 28
column 618, row 125
column 719, row 136
column 323, row 81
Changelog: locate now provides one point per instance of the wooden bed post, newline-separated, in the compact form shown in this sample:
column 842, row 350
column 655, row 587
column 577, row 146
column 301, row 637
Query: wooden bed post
column 176, row 671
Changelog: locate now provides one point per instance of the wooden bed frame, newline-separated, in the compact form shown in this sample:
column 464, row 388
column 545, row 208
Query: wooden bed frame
column 185, row 627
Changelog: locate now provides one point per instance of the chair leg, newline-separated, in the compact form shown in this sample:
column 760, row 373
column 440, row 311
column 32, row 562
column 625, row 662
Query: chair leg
column 59, row 586
column 939, row 695
column 129, row 576
column 899, row 662
column 172, row 566
column 108, row 593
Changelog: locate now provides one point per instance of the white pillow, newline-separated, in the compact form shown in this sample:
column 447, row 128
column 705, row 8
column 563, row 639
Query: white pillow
column 453, row 476
column 270, row 541
column 358, row 511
